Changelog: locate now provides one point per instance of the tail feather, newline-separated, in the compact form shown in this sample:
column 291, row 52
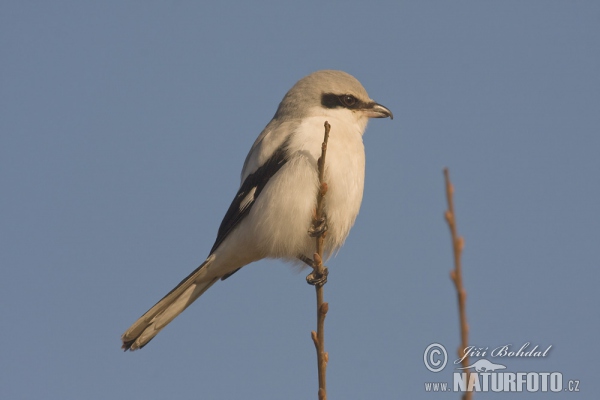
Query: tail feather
column 169, row 307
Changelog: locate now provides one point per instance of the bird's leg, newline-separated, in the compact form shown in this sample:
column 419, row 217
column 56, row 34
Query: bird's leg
column 319, row 226
column 314, row 278
column 306, row 260
column 318, row 230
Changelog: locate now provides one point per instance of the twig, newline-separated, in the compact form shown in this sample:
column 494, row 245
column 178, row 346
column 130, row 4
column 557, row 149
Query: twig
column 319, row 274
column 458, row 243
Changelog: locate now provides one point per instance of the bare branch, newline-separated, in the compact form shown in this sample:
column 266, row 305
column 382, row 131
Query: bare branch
column 458, row 243
column 319, row 275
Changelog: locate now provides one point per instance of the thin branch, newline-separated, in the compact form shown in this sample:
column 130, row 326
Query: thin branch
column 458, row 243
column 319, row 275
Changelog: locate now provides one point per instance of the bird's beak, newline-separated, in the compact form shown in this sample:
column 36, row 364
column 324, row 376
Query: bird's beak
column 375, row 110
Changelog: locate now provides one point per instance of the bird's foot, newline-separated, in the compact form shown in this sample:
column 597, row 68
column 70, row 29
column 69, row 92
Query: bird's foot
column 316, row 279
column 319, row 226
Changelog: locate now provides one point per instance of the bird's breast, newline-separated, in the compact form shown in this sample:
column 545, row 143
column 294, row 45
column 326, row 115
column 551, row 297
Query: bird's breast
column 344, row 170
column 283, row 213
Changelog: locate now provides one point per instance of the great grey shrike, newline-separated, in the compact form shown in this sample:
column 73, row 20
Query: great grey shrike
column 274, row 208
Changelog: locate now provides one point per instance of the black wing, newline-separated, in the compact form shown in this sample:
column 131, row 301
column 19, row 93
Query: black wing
column 248, row 193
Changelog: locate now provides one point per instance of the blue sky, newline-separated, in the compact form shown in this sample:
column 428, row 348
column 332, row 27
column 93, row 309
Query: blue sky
column 123, row 129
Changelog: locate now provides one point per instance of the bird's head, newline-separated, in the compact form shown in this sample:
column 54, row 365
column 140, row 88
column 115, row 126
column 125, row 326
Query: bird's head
column 330, row 92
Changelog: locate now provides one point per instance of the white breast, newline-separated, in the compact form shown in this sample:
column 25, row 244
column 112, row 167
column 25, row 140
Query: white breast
column 344, row 171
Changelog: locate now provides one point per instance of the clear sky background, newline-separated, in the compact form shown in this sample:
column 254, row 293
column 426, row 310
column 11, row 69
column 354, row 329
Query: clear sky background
column 123, row 129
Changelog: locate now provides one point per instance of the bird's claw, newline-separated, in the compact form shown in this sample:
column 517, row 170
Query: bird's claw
column 315, row 279
column 318, row 227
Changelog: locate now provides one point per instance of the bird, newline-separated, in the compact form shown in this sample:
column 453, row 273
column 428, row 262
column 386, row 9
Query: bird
column 273, row 213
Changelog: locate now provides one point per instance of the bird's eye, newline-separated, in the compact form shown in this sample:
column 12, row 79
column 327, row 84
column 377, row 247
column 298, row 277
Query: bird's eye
column 348, row 100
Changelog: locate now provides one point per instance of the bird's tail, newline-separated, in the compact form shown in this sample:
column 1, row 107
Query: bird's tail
column 170, row 306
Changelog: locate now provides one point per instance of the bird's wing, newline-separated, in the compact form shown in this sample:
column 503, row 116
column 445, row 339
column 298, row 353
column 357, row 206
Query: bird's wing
column 248, row 193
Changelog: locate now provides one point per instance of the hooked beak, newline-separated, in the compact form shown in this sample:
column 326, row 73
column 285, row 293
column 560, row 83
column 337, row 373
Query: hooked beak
column 375, row 110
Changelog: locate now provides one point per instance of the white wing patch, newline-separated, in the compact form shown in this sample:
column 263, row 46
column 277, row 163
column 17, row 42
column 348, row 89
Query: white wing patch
column 248, row 199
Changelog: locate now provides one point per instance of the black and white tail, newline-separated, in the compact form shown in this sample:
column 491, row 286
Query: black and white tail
column 170, row 306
